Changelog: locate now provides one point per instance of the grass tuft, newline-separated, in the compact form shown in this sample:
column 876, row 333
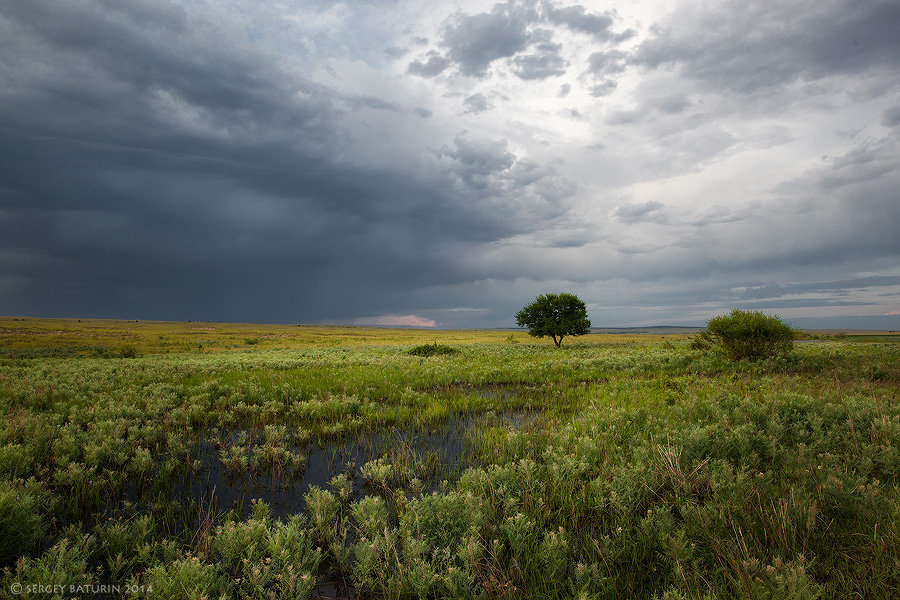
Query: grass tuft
column 434, row 349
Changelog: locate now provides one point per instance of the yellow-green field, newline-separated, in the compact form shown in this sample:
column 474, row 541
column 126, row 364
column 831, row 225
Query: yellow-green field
column 205, row 460
column 152, row 337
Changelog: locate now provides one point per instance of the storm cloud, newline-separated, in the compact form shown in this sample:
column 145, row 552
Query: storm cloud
column 316, row 163
column 749, row 46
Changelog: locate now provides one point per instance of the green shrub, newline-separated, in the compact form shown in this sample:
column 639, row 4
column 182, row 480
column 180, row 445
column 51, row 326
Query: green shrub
column 377, row 472
column 434, row 349
column 64, row 566
column 127, row 545
column 185, row 579
column 21, row 527
column 748, row 334
column 261, row 558
column 129, row 352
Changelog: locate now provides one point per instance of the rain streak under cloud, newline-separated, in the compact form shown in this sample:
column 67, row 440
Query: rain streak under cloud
column 440, row 164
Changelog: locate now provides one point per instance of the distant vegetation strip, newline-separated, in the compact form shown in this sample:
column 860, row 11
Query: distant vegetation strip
column 89, row 337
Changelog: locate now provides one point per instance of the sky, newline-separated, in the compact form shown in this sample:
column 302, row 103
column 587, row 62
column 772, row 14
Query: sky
column 439, row 164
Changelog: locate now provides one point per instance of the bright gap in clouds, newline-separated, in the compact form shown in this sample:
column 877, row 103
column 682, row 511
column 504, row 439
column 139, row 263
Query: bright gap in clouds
column 395, row 321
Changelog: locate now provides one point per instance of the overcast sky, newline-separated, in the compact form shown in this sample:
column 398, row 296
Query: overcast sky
column 441, row 163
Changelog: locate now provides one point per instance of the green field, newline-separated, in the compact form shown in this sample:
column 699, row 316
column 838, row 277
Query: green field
column 204, row 460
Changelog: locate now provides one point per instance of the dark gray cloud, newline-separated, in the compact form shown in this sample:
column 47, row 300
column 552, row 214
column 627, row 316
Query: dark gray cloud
column 530, row 195
column 545, row 61
column 649, row 107
column 477, row 103
column 433, row 66
column 741, row 47
column 473, row 42
column 479, row 158
column 292, row 237
column 396, row 52
column 604, row 88
column 578, row 19
column 150, row 171
column 632, row 213
column 798, row 303
column 604, row 66
column 670, row 104
column 607, row 62
column 355, row 102
column 525, row 35
column 891, row 116
column 770, row 290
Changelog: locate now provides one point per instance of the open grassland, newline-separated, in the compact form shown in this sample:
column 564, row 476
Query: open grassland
column 100, row 338
column 285, row 462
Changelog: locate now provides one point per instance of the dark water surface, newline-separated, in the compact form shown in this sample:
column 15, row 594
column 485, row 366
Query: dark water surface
column 434, row 453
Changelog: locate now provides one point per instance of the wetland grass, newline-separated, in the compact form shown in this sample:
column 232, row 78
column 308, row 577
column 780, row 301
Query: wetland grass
column 345, row 466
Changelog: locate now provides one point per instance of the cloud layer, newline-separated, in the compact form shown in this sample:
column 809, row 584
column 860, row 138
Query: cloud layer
column 386, row 162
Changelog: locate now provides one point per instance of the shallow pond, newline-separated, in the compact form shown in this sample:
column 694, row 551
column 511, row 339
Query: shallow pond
column 410, row 457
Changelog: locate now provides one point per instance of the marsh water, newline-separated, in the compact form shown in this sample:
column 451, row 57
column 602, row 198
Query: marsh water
column 432, row 452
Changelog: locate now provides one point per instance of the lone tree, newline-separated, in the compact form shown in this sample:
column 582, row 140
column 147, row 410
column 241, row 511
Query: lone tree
column 556, row 315
column 748, row 334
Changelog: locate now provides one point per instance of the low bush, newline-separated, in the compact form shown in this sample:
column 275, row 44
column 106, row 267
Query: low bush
column 21, row 527
column 129, row 352
column 750, row 335
column 65, row 566
column 434, row 349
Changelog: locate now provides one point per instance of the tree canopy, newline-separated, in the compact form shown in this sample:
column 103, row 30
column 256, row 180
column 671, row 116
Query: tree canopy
column 555, row 315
